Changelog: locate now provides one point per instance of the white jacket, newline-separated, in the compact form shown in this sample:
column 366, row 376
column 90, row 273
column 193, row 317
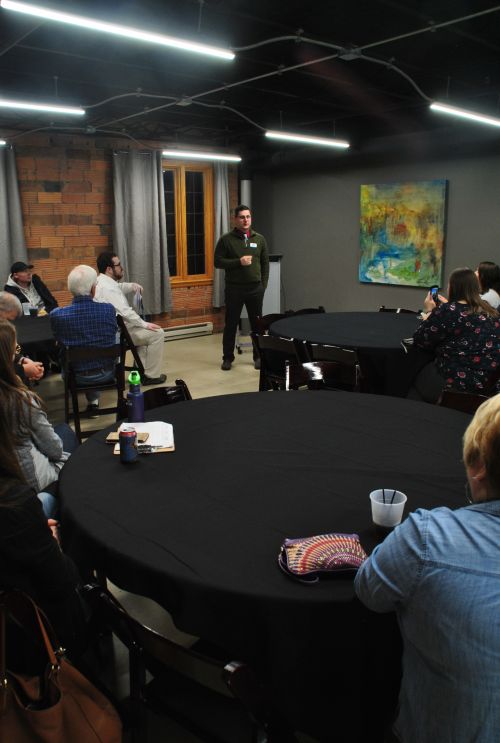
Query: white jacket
column 109, row 290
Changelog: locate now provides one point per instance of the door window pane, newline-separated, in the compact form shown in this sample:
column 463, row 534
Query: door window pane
column 195, row 223
column 169, row 189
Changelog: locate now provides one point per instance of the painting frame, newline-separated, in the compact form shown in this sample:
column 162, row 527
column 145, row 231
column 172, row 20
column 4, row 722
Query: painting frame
column 402, row 232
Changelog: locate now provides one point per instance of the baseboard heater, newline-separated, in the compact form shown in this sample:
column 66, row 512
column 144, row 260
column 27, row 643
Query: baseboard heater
column 188, row 331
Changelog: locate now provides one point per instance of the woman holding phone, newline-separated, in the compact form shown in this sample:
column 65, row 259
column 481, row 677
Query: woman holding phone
column 464, row 334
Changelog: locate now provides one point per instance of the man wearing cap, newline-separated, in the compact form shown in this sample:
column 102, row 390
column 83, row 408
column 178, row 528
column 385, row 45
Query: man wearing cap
column 29, row 287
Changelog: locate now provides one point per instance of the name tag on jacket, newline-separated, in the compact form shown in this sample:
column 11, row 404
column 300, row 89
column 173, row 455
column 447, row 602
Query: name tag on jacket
column 253, row 245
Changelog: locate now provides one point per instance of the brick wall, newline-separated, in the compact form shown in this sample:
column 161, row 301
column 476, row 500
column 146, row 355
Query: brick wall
column 67, row 200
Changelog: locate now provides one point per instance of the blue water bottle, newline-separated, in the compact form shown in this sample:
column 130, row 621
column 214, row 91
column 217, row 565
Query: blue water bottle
column 135, row 399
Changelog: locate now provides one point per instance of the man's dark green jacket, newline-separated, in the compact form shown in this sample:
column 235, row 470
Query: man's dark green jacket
column 232, row 246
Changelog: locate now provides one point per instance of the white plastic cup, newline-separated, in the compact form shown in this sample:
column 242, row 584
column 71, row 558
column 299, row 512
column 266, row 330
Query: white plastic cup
column 390, row 512
column 26, row 308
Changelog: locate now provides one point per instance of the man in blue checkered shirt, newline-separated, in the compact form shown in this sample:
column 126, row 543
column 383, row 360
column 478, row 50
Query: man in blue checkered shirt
column 87, row 323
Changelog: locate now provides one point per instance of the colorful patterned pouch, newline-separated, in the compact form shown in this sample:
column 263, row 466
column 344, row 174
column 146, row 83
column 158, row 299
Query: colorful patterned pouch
column 305, row 559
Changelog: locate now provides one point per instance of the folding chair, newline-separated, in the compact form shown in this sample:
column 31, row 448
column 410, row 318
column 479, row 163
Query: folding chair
column 129, row 345
column 222, row 702
column 158, row 396
column 310, row 311
column 274, row 352
column 397, row 310
column 315, row 375
column 264, row 323
column 466, row 402
column 350, row 376
column 73, row 354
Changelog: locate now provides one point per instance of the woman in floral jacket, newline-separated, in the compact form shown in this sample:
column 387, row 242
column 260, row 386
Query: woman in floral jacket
column 464, row 334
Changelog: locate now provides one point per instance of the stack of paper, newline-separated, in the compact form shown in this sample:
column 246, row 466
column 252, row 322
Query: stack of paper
column 161, row 435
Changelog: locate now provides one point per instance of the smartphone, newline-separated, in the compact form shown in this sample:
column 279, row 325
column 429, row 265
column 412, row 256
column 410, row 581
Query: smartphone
column 434, row 292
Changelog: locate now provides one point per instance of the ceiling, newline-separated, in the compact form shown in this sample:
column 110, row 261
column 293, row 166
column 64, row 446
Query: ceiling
column 312, row 78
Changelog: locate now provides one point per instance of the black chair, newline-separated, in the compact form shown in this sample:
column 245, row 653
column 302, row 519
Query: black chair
column 73, row 354
column 158, row 396
column 274, row 352
column 222, row 702
column 349, row 375
column 263, row 323
column 129, row 345
column 315, row 375
column 309, row 311
column 466, row 402
column 397, row 310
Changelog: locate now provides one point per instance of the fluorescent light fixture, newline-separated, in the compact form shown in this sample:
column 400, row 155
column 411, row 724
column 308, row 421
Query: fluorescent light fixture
column 464, row 114
column 45, row 107
column 2, row 142
column 113, row 28
column 188, row 155
column 322, row 141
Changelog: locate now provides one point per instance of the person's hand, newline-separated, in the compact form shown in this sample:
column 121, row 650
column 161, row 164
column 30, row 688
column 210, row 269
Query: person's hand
column 32, row 369
column 246, row 260
column 153, row 326
column 137, row 287
column 429, row 303
column 54, row 528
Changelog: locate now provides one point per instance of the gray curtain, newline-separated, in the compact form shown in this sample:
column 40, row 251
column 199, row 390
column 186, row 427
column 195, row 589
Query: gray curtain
column 139, row 227
column 221, row 222
column 12, row 244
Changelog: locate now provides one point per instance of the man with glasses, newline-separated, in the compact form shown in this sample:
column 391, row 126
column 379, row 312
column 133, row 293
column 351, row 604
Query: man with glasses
column 147, row 336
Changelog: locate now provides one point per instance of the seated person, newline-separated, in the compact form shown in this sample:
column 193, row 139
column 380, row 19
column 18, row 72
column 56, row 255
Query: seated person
column 488, row 274
column 147, row 336
column 440, row 572
column 29, row 287
column 464, row 334
column 26, row 369
column 39, row 449
column 87, row 323
column 30, row 557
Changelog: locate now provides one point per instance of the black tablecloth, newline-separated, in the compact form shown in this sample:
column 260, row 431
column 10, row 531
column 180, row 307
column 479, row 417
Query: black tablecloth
column 363, row 331
column 34, row 335
column 199, row 529
column 32, row 330
column 376, row 336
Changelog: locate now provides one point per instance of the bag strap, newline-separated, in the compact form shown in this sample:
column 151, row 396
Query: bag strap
column 3, row 670
column 27, row 614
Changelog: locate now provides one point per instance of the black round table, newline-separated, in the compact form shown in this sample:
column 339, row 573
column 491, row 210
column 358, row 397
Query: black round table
column 199, row 530
column 376, row 336
column 34, row 335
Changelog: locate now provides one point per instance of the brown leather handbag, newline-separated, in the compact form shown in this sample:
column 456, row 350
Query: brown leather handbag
column 60, row 705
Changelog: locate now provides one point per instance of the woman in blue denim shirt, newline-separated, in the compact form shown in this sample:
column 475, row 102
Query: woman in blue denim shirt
column 440, row 571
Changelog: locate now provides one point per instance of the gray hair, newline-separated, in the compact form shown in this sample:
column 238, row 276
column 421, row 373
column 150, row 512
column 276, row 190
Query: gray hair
column 81, row 280
column 10, row 303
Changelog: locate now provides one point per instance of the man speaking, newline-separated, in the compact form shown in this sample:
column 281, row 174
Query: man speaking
column 244, row 257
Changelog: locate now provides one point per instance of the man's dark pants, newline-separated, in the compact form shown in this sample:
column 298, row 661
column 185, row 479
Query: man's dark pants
column 237, row 295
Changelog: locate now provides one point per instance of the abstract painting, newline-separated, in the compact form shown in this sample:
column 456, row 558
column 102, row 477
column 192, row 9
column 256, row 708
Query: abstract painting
column 402, row 233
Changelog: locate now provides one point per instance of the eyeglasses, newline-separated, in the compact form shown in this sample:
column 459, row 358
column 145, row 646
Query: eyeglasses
column 116, row 265
column 468, row 493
